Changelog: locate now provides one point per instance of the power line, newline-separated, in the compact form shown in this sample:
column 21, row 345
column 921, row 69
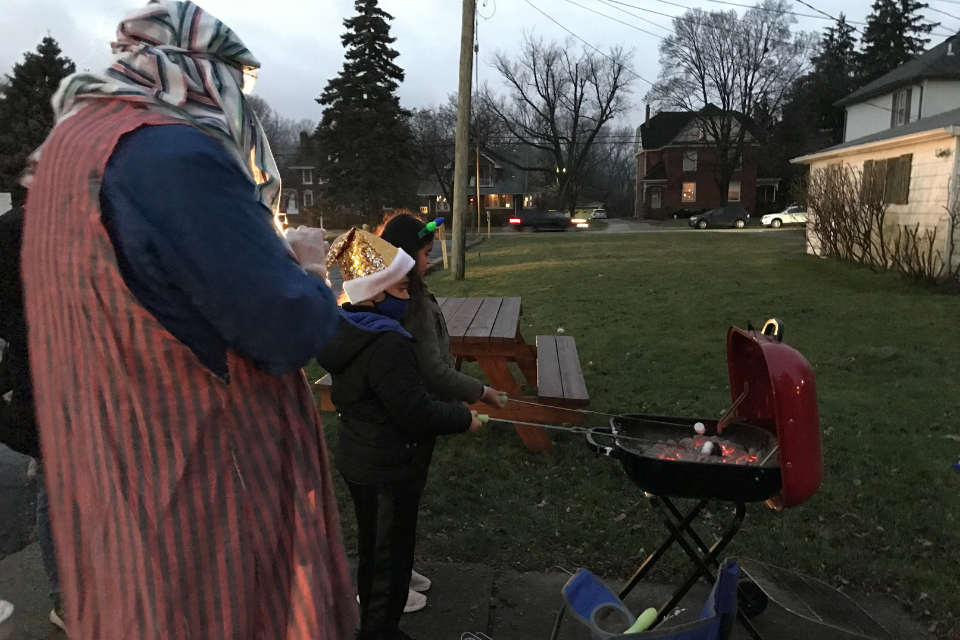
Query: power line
column 660, row 26
column 659, row 37
column 803, row 2
column 684, row 19
column 548, row 17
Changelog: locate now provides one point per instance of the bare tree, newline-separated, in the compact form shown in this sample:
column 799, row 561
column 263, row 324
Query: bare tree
column 730, row 70
column 433, row 130
column 558, row 100
column 282, row 133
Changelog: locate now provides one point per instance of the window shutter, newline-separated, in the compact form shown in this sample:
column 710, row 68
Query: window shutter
column 866, row 180
column 887, row 170
column 893, row 110
column 906, row 164
column 906, row 119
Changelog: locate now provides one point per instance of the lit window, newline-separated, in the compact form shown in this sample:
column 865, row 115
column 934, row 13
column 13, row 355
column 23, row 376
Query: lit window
column 308, row 198
column 656, row 198
column 689, row 192
column 529, row 202
column 689, row 160
column 307, row 176
column 733, row 192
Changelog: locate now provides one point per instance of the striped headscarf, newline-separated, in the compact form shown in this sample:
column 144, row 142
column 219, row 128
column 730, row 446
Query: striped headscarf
column 178, row 59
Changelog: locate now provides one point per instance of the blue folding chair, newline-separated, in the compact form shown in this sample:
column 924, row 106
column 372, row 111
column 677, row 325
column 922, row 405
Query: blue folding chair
column 607, row 617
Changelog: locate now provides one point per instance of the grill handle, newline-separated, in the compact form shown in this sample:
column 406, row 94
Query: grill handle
column 774, row 328
column 610, row 451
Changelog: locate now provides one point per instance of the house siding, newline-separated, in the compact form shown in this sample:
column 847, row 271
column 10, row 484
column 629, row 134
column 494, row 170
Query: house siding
column 873, row 116
column 940, row 96
column 930, row 182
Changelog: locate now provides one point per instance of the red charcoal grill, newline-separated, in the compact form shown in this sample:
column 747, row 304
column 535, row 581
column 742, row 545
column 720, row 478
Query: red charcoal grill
column 777, row 415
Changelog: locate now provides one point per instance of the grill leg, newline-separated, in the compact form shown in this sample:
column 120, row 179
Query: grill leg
column 684, row 522
column 689, row 530
column 665, row 509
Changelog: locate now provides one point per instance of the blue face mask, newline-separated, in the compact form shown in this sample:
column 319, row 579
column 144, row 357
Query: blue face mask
column 392, row 307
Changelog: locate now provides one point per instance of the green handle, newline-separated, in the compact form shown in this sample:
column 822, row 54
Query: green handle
column 643, row 623
column 503, row 399
column 483, row 418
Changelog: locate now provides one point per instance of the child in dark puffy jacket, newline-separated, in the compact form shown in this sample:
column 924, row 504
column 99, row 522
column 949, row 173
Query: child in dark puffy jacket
column 389, row 423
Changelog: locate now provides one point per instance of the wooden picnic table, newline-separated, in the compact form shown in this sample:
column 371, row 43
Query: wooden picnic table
column 487, row 330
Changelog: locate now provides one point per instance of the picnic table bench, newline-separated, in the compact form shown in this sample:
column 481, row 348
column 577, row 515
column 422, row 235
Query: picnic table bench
column 487, row 331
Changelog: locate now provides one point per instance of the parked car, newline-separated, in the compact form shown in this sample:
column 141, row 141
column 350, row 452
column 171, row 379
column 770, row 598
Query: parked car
column 729, row 216
column 794, row 214
column 534, row 220
column 599, row 214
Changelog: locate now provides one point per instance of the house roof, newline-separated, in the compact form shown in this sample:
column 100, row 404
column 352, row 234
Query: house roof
column 938, row 62
column 939, row 121
column 664, row 127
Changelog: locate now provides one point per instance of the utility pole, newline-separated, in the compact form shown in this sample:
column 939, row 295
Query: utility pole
column 461, row 182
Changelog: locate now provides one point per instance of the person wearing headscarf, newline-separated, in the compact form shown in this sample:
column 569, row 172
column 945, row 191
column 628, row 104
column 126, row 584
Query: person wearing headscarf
column 189, row 484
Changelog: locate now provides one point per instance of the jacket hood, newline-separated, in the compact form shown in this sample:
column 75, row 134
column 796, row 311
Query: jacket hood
column 348, row 342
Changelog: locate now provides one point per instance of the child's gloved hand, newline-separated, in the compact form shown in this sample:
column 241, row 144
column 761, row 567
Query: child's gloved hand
column 492, row 397
column 476, row 424
column 311, row 248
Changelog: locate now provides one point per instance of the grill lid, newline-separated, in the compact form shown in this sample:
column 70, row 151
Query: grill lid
column 781, row 398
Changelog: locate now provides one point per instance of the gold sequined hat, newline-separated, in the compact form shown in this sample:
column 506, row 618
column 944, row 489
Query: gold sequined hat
column 369, row 264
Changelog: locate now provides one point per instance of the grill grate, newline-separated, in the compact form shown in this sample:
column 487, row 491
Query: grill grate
column 813, row 600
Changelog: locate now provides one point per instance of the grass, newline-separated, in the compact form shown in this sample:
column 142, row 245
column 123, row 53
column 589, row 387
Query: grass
column 650, row 313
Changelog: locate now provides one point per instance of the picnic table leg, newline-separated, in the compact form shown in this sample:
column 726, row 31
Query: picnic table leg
column 526, row 358
column 499, row 375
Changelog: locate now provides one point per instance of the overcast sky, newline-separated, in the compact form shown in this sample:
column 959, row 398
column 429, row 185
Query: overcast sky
column 298, row 41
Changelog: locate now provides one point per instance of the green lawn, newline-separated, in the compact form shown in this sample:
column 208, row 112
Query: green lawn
column 650, row 313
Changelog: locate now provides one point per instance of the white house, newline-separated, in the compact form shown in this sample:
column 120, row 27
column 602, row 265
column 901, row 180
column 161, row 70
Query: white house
column 909, row 120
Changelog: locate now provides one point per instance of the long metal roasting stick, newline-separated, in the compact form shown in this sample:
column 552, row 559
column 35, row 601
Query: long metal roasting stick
column 728, row 415
column 585, row 431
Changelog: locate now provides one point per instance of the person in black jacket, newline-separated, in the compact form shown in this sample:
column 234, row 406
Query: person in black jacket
column 18, row 421
column 389, row 423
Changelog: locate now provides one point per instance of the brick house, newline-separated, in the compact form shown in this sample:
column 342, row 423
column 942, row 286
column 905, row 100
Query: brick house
column 675, row 169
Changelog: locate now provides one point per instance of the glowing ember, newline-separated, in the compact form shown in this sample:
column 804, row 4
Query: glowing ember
column 692, row 450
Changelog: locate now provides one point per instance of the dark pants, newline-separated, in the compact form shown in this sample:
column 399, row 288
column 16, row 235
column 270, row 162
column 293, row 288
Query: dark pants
column 386, row 537
column 46, row 538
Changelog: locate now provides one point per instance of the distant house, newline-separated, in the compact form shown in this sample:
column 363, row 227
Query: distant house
column 675, row 168
column 904, row 128
column 301, row 185
column 506, row 185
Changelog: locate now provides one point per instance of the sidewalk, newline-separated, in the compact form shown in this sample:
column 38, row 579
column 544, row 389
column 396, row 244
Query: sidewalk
column 470, row 598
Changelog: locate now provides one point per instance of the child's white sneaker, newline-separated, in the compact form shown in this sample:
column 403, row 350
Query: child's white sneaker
column 6, row 610
column 415, row 602
column 419, row 583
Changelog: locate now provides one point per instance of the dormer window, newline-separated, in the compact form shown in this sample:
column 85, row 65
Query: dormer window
column 900, row 114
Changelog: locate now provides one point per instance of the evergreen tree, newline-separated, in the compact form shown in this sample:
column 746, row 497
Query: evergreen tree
column 365, row 138
column 26, row 116
column 809, row 121
column 894, row 34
